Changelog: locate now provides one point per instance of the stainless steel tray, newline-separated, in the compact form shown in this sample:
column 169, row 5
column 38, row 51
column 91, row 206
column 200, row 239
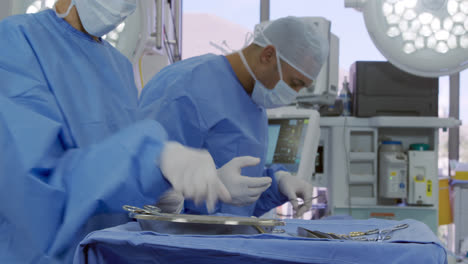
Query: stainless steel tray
column 150, row 218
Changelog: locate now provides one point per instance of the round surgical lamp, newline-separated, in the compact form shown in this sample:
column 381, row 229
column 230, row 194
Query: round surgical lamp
column 424, row 37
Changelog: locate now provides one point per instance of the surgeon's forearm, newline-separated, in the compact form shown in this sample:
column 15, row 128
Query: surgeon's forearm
column 121, row 170
column 62, row 189
column 271, row 198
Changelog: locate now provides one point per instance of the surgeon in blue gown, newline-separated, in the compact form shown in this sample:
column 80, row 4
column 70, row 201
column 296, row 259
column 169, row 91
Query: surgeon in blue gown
column 71, row 151
column 218, row 103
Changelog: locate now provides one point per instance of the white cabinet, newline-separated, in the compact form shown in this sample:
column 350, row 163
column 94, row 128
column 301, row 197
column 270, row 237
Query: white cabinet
column 350, row 147
column 460, row 209
column 361, row 165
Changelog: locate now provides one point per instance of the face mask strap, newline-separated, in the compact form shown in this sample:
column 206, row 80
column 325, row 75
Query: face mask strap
column 279, row 65
column 276, row 52
column 247, row 65
column 72, row 3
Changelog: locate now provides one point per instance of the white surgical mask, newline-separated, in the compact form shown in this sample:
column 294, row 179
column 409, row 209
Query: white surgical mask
column 99, row 17
column 282, row 94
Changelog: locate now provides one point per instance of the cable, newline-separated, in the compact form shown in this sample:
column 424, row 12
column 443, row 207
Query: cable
column 224, row 42
column 223, row 50
column 174, row 29
column 141, row 71
column 166, row 46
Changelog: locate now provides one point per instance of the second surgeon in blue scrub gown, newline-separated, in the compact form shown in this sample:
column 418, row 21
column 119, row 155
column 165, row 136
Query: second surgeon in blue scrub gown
column 71, row 154
column 218, row 103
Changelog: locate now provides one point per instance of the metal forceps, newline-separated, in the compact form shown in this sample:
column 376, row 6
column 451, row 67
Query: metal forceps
column 147, row 209
column 382, row 235
column 360, row 233
column 385, row 234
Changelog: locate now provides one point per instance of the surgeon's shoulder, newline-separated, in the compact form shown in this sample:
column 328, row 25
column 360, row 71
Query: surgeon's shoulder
column 177, row 74
column 16, row 22
column 211, row 72
column 183, row 77
column 207, row 62
column 14, row 32
column 16, row 28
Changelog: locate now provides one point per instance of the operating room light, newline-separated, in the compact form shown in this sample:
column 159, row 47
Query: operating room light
column 39, row 5
column 424, row 37
column 113, row 36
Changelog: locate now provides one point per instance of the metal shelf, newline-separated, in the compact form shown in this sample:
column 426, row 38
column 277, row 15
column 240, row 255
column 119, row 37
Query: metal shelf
column 391, row 121
column 361, row 178
column 362, row 156
column 389, row 207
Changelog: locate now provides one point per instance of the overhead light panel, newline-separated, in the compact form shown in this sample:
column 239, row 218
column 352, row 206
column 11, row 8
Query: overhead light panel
column 424, row 37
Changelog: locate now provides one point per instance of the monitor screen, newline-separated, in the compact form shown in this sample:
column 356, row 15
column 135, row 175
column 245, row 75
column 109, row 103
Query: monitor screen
column 285, row 142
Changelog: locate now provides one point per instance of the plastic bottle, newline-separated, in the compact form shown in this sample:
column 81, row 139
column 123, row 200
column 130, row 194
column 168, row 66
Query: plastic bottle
column 345, row 97
column 393, row 175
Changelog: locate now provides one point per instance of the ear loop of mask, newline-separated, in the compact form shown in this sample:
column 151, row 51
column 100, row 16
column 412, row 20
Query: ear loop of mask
column 279, row 65
column 247, row 65
column 72, row 3
column 276, row 53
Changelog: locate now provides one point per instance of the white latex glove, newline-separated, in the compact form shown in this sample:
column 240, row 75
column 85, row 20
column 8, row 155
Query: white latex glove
column 171, row 202
column 192, row 173
column 244, row 190
column 293, row 188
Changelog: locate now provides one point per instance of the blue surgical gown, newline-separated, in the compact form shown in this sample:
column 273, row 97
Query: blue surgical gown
column 71, row 152
column 201, row 103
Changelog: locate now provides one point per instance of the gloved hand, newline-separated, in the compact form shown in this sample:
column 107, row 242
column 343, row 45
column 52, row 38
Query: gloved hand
column 192, row 173
column 171, row 202
column 244, row 190
column 293, row 188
